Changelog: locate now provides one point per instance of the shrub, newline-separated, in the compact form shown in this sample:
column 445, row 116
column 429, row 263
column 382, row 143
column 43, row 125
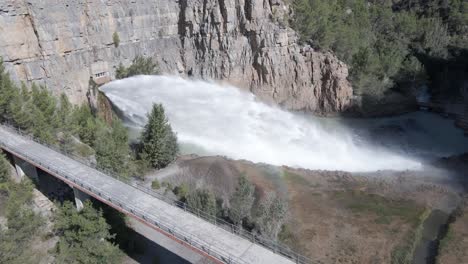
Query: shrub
column 202, row 200
column 155, row 185
column 181, row 191
column 139, row 66
column 116, row 39
column 4, row 169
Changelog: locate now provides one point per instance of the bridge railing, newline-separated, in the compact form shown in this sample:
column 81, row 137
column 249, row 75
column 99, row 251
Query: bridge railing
column 192, row 240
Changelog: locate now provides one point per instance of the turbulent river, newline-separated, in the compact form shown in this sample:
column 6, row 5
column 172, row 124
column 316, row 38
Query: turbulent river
column 218, row 119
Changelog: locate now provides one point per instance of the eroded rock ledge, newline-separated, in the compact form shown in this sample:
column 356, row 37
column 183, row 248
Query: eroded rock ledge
column 244, row 42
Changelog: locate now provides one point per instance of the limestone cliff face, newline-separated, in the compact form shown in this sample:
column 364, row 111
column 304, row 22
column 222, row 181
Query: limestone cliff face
column 61, row 43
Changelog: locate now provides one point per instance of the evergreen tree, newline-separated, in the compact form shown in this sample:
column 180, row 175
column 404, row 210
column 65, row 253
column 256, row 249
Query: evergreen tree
column 85, row 124
column 23, row 225
column 271, row 215
column 63, row 117
column 381, row 40
column 43, row 111
column 4, row 169
column 112, row 148
column 202, row 200
column 84, row 236
column 22, row 108
column 241, row 201
column 8, row 92
column 158, row 141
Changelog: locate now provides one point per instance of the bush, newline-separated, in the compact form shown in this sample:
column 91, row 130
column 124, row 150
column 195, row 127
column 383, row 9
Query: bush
column 202, row 200
column 139, row 66
column 116, row 39
column 4, row 169
column 155, row 185
column 181, row 191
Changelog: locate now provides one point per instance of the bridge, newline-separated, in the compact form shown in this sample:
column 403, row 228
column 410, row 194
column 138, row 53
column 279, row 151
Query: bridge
column 208, row 236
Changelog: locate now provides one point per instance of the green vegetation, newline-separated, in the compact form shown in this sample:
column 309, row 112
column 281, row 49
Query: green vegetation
column 84, row 236
column 241, row 201
column 448, row 238
column 4, row 169
column 23, row 224
column 116, row 39
column 287, row 237
column 139, row 66
column 271, row 215
column 297, row 179
column 59, row 123
column 181, row 191
column 112, row 149
column 384, row 43
column 385, row 209
column 156, row 185
column 202, row 200
column 266, row 216
column 158, row 141
column 403, row 254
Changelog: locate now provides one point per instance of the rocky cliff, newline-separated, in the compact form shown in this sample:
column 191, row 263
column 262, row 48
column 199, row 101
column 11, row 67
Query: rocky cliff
column 62, row 43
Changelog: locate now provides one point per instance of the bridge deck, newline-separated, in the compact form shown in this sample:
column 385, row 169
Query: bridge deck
column 201, row 234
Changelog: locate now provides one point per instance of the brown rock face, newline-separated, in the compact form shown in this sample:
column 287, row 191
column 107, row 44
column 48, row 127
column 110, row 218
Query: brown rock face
column 244, row 42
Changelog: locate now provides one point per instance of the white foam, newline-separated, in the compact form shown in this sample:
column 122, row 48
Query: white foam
column 224, row 120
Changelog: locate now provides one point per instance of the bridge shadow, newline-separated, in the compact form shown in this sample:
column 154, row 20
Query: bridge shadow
column 137, row 246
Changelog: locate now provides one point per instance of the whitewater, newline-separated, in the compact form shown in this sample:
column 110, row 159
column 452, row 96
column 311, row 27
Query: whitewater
column 218, row 119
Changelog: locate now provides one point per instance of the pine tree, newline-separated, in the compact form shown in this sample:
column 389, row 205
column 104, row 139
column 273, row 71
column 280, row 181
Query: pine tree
column 84, row 236
column 241, row 201
column 158, row 141
column 84, row 124
column 21, row 109
column 202, row 200
column 63, row 116
column 112, row 149
column 4, row 169
column 8, row 92
column 271, row 215
column 23, row 224
column 43, row 111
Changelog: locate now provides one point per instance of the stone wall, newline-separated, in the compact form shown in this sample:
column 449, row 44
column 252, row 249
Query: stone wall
column 244, row 42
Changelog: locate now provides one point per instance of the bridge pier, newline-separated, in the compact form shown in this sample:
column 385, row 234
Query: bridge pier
column 19, row 172
column 24, row 168
column 80, row 198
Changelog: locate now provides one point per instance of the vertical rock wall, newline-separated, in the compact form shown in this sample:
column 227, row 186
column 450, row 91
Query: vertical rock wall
column 62, row 43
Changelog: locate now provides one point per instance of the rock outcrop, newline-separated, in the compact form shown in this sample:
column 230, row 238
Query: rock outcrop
column 244, row 42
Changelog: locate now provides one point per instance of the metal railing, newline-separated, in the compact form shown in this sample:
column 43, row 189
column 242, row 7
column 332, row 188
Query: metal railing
column 167, row 227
